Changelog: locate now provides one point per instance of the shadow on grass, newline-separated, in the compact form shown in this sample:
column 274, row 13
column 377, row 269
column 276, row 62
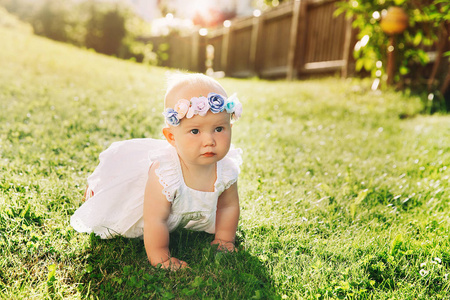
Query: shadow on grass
column 118, row 268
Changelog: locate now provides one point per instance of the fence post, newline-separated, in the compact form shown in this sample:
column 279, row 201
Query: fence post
column 201, row 54
column 301, row 38
column 293, row 40
column 254, row 44
column 170, row 41
column 195, row 48
column 347, row 48
column 225, row 48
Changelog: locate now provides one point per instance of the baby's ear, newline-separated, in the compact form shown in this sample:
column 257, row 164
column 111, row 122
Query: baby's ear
column 169, row 135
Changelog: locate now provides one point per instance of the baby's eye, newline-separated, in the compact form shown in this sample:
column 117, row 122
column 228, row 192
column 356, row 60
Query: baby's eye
column 194, row 131
column 219, row 129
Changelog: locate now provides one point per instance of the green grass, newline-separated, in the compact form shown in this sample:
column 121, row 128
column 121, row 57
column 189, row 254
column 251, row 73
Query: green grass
column 342, row 196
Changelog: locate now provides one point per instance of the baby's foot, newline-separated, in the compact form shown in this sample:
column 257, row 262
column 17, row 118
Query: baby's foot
column 88, row 193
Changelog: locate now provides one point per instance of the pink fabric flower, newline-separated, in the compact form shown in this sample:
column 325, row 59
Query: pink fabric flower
column 199, row 106
column 182, row 108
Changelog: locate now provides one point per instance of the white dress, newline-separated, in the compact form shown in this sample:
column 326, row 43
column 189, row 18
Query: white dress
column 118, row 185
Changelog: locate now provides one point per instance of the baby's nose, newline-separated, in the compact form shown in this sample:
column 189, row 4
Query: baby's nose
column 209, row 140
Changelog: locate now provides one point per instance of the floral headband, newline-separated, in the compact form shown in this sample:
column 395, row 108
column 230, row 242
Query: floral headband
column 200, row 106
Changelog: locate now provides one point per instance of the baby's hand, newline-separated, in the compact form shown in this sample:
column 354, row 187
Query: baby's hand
column 224, row 246
column 173, row 264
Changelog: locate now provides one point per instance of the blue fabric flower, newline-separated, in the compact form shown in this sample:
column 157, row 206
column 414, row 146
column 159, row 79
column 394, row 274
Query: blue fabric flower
column 216, row 102
column 230, row 104
column 171, row 117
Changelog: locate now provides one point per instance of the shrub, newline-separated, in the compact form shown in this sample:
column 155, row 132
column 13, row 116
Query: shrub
column 108, row 28
column 428, row 27
column 10, row 21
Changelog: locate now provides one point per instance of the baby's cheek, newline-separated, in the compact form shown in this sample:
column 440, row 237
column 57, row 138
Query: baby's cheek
column 227, row 143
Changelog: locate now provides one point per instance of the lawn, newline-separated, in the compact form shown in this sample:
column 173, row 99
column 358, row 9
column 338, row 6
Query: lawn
column 344, row 191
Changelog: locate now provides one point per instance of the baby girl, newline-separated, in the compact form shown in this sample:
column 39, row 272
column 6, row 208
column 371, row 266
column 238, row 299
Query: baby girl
column 148, row 188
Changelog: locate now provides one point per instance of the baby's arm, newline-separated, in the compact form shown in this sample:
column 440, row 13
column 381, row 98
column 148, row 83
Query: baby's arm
column 156, row 233
column 227, row 218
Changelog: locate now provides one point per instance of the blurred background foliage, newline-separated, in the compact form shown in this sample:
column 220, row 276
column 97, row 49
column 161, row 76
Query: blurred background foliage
column 108, row 28
column 416, row 69
column 8, row 20
column 113, row 28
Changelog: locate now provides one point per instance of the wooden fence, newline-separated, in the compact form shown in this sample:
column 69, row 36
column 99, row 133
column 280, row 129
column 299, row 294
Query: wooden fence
column 181, row 52
column 295, row 39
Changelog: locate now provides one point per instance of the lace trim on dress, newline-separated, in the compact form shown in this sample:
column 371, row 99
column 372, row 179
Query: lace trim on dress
column 170, row 176
column 167, row 172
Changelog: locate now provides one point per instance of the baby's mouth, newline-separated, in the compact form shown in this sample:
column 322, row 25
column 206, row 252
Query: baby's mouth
column 208, row 154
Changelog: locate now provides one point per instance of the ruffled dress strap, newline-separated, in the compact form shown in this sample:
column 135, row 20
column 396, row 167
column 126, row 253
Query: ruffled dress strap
column 228, row 169
column 168, row 172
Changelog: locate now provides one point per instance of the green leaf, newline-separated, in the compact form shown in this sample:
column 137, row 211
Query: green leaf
column 403, row 70
column 423, row 56
column 51, row 273
column 396, row 244
column 198, row 281
column 418, row 38
column 168, row 295
column 359, row 64
column 89, row 269
column 361, row 196
column 353, row 210
column 188, row 292
column 368, row 64
column 399, row 2
column 338, row 11
column 325, row 188
column 258, row 295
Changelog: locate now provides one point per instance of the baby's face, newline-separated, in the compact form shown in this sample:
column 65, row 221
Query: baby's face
column 203, row 140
